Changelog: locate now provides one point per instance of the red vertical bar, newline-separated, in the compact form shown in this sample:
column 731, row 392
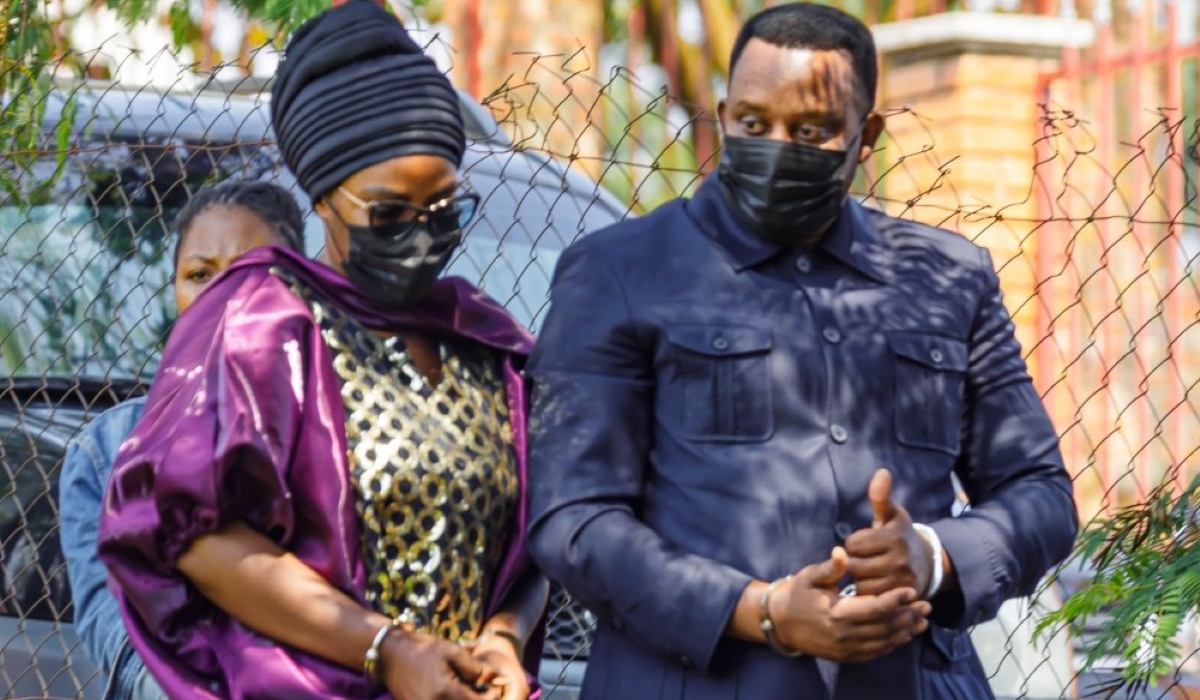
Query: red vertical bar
column 473, row 42
column 635, row 27
column 1075, row 446
column 670, row 48
column 1045, row 247
column 1141, row 193
column 1173, row 309
column 1105, row 456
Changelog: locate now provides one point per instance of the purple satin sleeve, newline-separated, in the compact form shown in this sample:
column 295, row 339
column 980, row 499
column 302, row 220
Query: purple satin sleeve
column 245, row 421
column 235, row 403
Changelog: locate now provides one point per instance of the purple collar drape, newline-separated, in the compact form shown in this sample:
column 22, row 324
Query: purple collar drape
column 245, row 421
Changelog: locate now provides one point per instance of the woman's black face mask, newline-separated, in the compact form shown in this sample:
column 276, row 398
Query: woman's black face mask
column 395, row 260
column 787, row 193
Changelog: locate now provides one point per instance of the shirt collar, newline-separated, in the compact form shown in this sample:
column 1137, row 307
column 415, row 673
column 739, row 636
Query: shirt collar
column 854, row 240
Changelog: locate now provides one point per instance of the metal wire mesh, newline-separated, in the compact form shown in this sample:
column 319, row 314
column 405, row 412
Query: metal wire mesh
column 1098, row 271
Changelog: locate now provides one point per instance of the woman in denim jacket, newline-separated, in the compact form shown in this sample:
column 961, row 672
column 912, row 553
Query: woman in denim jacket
column 215, row 228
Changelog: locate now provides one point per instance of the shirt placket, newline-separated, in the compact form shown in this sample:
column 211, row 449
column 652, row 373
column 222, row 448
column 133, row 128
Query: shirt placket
column 817, row 280
column 817, row 277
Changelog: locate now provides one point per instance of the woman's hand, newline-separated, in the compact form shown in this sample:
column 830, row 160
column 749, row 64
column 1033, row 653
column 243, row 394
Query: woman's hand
column 417, row 666
column 498, row 656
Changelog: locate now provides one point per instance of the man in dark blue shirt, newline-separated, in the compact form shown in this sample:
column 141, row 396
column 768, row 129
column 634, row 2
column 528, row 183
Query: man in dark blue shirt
column 718, row 384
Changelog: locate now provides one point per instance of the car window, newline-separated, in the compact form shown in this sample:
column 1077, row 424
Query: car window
column 90, row 264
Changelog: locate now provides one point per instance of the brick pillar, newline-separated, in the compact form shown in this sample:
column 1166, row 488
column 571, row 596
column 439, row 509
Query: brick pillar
column 962, row 156
column 536, row 65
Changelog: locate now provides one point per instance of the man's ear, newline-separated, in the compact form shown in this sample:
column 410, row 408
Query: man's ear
column 721, row 114
column 871, row 131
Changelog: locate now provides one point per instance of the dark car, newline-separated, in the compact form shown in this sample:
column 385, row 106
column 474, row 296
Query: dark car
column 85, row 308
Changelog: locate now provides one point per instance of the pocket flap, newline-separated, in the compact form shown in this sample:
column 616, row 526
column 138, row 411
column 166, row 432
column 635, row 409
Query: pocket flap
column 930, row 350
column 718, row 340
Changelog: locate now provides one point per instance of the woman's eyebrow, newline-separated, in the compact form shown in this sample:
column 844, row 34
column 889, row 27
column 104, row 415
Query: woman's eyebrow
column 382, row 192
column 446, row 192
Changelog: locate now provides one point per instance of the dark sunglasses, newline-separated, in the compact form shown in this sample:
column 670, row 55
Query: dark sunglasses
column 448, row 214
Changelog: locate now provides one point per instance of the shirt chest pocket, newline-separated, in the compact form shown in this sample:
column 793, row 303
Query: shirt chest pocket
column 930, row 375
column 718, row 387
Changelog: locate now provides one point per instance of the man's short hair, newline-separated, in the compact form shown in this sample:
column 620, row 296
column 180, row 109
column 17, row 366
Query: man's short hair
column 805, row 25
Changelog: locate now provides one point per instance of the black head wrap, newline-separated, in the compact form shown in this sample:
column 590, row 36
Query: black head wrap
column 354, row 90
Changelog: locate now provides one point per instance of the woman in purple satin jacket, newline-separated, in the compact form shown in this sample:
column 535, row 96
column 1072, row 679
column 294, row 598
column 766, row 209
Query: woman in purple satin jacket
column 325, row 497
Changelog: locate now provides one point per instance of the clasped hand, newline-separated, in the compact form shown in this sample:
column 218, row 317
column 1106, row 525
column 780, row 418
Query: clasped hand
column 891, row 565
column 418, row 666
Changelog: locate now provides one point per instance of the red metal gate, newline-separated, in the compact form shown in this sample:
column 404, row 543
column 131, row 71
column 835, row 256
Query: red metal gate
column 1116, row 249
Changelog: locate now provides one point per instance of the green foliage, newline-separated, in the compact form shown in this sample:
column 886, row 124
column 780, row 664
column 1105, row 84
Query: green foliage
column 33, row 49
column 29, row 55
column 280, row 16
column 1147, row 580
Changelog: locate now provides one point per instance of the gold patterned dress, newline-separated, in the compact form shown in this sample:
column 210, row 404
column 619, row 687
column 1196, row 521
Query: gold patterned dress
column 433, row 469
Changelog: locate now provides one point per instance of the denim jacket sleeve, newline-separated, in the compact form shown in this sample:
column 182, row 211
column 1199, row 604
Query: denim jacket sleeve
column 98, row 621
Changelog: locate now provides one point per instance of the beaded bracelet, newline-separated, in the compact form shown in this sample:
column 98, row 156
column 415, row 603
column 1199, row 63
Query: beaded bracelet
column 371, row 658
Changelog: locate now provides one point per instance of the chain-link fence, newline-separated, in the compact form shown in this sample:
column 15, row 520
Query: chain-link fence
column 1102, row 286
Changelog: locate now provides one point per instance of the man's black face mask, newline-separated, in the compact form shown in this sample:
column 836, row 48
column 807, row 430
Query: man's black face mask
column 787, row 193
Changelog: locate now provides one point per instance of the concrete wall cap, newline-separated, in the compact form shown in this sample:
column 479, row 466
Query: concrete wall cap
column 983, row 32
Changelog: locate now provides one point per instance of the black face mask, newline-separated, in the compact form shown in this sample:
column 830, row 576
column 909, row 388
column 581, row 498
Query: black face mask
column 396, row 265
column 787, row 193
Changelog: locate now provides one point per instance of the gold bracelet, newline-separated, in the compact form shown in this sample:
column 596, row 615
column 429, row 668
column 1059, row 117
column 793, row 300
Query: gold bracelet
column 767, row 625
column 371, row 658
column 511, row 638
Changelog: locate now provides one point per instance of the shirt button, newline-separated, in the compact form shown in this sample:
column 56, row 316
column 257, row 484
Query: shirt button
column 720, row 343
column 832, row 335
column 804, row 264
column 843, row 530
column 685, row 662
column 618, row 624
column 838, row 433
column 936, row 355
